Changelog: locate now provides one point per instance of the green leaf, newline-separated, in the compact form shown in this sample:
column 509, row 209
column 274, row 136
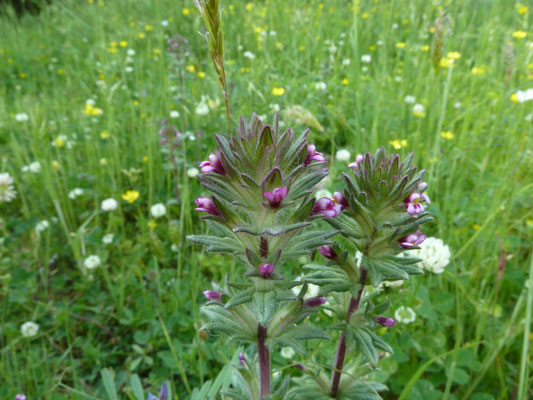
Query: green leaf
column 242, row 297
column 109, row 384
column 136, row 387
column 364, row 344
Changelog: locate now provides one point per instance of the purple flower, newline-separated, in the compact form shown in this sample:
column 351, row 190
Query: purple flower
column 412, row 203
column 313, row 155
column 328, row 252
column 326, row 207
column 266, row 270
column 412, row 240
column 276, row 196
column 315, row 302
column 205, row 204
column 422, row 186
column 384, row 321
column 213, row 295
column 339, row 199
column 163, row 393
column 242, row 360
column 358, row 159
column 20, row 397
column 214, row 164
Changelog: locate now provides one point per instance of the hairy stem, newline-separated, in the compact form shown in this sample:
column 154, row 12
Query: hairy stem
column 341, row 347
column 264, row 360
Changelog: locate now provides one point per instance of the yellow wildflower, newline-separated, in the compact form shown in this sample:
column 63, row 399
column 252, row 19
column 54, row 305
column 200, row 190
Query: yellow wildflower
column 519, row 34
column 514, row 98
column 60, row 72
column 148, row 27
column 201, row 74
column 398, row 144
column 92, row 110
column 453, row 55
column 104, row 135
column 521, row 9
column 278, row 91
column 248, row 6
column 424, row 47
column 102, row 161
column 152, row 224
column 123, row 43
column 478, row 71
column 130, row 196
column 22, row 75
column 449, row 135
column 157, row 51
column 113, row 44
column 55, row 165
column 400, row 45
column 446, row 62
column 112, row 50
column 365, row 15
column 190, row 68
column 186, row 11
column 59, row 142
column 145, row 159
column 345, row 81
column 141, row 35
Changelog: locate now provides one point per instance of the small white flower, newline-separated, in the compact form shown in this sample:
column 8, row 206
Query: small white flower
column 312, row 290
column 409, row 99
column 7, row 190
column 75, row 193
column 158, row 210
column 396, row 78
column 435, row 255
column 404, row 315
column 29, row 329
column 90, row 102
column 321, row 86
column 524, row 95
column 249, row 55
column 92, row 262
column 287, row 352
column 395, row 26
column 342, row 155
column 164, row 23
column 175, row 248
column 109, row 204
column 366, row 58
column 192, row 172
column 346, row 61
column 323, row 193
column 457, row 104
column 332, row 49
column 272, row 33
column 202, row 108
column 42, row 226
column 130, row 52
column 529, row 117
column 174, row 114
column 274, row 107
column 379, row 42
column 393, row 283
column 419, row 109
column 22, row 117
column 128, row 69
column 34, row 167
column 108, row 238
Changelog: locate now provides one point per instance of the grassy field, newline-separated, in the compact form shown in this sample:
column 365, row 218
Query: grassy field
column 85, row 87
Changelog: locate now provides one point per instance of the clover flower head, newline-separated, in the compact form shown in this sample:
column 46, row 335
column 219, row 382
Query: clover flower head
column 205, row 204
column 404, row 315
column 435, row 255
column 29, row 329
column 276, row 196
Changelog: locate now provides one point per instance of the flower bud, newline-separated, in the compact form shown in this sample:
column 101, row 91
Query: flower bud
column 412, row 240
column 242, row 360
column 328, row 252
column 384, row 321
column 205, row 204
column 266, row 270
column 276, row 196
column 315, row 302
column 213, row 295
column 359, row 158
column 326, row 207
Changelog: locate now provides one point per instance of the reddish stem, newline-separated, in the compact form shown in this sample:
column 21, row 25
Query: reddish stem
column 264, row 360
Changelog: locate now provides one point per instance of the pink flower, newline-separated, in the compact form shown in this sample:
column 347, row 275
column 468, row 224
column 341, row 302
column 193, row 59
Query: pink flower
column 276, row 196
column 326, row 207
column 214, row 164
column 213, row 295
column 384, row 321
column 266, row 270
column 205, row 204
column 358, row 159
column 328, row 252
column 313, row 155
column 422, row 186
column 20, row 397
column 339, row 199
column 412, row 203
column 315, row 302
column 412, row 240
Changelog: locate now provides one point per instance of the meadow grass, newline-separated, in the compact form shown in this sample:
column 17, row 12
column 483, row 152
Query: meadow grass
column 138, row 312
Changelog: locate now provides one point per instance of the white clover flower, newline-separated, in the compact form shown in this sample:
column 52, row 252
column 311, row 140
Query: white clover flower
column 7, row 190
column 202, row 108
column 409, row 99
column 92, row 262
column 175, row 248
column 22, row 117
column 404, row 315
column 346, row 61
column 529, row 117
column 174, row 114
column 192, row 172
column 323, row 193
column 435, row 255
column 164, row 23
column 42, row 226
column 321, row 86
column 366, row 58
column 90, row 102
column 130, row 52
column 419, row 109
column 29, row 329
column 158, row 210
column 128, row 69
column 75, row 193
column 109, row 204
column 108, row 238
column 342, row 155
column 287, row 352
column 457, row 104
column 34, row 167
column 332, row 49
column 524, row 95
column 249, row 55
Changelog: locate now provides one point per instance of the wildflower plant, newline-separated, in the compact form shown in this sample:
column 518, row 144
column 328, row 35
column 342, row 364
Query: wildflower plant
column 261, row 209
